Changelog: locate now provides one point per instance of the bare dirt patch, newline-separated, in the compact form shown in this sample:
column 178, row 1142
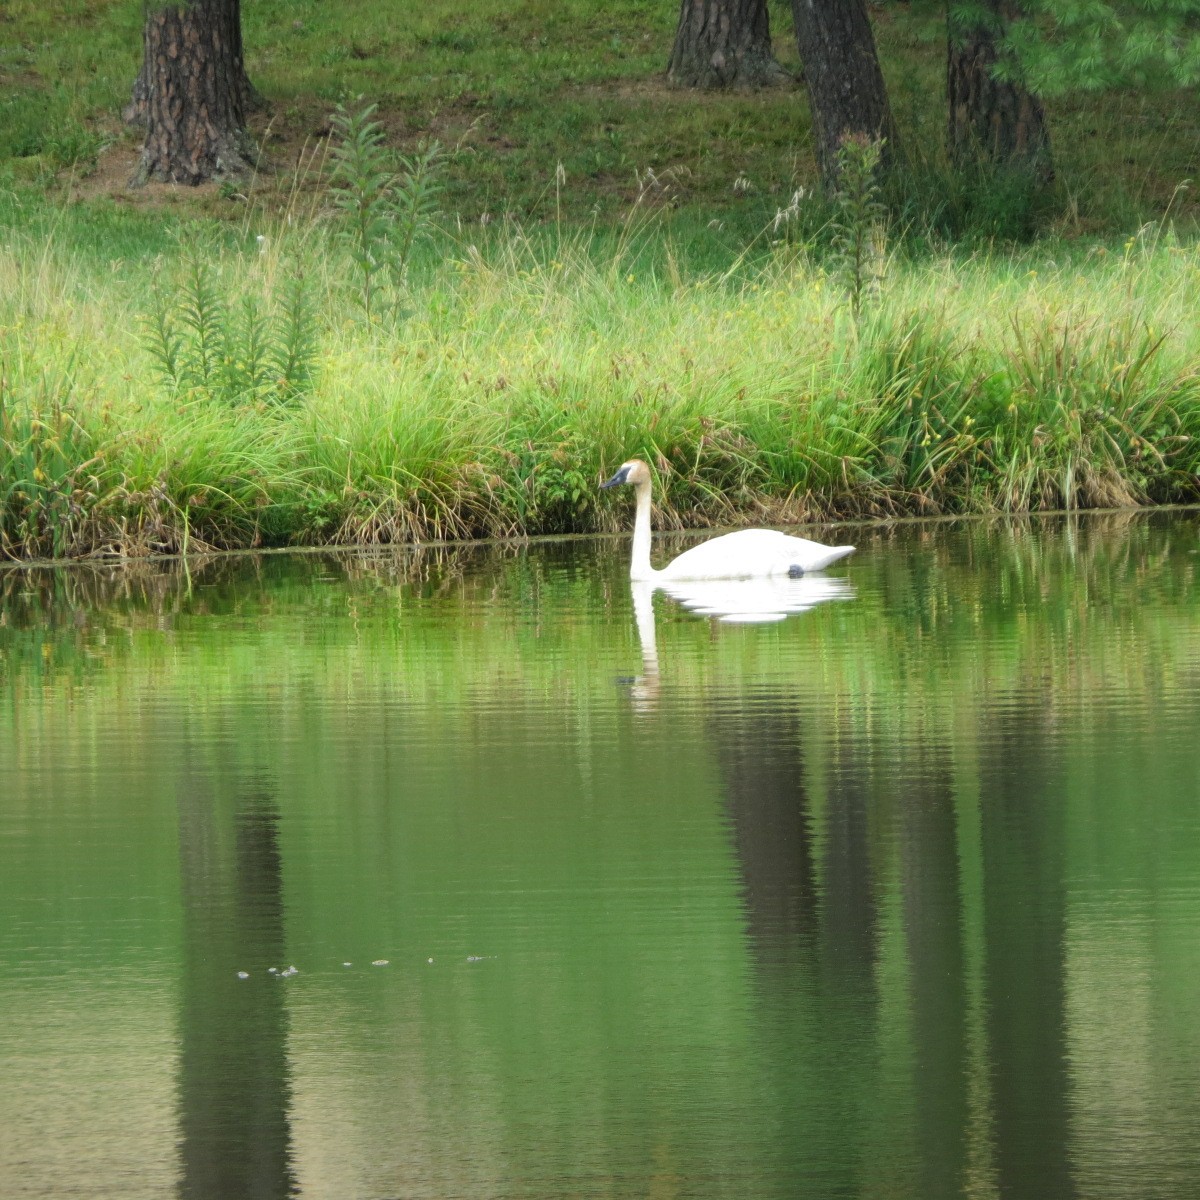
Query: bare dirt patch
column 294, row 140
column 292, row 146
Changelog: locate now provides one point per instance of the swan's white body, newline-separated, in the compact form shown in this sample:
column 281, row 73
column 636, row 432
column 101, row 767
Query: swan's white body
column 746, row 554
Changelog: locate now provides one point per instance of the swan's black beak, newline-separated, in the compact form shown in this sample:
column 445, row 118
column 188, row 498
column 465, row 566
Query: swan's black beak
column 620, row 477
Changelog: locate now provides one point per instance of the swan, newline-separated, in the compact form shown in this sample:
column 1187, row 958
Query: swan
column 745, row 554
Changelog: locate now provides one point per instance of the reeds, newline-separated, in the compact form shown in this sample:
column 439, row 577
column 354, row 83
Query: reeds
column 528, row 368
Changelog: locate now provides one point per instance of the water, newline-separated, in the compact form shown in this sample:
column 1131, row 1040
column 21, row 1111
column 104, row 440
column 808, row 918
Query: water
column 896, row 895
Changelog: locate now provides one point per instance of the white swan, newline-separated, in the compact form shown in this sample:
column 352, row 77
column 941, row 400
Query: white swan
column 745, row 554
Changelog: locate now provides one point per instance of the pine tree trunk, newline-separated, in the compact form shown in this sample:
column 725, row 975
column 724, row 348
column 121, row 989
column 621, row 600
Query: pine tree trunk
column 846, row 92
column 992, row 121
column 195, row 114
column 724, row 43
column 252, row 98
column 135, row 112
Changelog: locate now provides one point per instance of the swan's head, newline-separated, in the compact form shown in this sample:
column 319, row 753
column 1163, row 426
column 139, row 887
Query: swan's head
column 634, row 471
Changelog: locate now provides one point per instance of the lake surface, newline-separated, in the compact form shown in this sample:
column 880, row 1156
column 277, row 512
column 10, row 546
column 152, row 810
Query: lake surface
column 591, row 893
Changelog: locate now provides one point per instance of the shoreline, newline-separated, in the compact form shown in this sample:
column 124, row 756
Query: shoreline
column 680, row 535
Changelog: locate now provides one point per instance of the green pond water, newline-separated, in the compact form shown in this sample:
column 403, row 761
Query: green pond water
column 593, row 893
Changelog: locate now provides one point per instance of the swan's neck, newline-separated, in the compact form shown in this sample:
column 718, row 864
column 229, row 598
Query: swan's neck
column 639, row 567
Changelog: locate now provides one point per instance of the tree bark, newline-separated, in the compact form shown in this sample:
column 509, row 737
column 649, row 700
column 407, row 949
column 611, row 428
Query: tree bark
column 846, row 92
column 722, row 44
column 252, row 98
column 993, row 121
column 195, row 113
column 135, row 112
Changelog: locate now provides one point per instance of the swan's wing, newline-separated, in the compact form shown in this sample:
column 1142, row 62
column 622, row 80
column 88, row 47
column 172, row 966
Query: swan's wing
column 752, row 554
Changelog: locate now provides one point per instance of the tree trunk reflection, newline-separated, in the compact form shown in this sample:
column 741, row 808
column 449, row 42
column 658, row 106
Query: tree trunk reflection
column 234, row 1078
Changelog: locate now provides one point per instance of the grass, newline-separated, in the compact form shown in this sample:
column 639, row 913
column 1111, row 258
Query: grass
column 531, row 364
column 520, row 89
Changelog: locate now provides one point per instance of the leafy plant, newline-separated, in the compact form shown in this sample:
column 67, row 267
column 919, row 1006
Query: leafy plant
column 415, row 200
column 248, row 350
column 361, row 176
column 860, row 220
column 558, row 494
column 48, row 471
column 388, row 201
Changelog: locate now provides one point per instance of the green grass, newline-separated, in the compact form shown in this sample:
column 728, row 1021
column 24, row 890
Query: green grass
column 528, row 366
column 515, row 89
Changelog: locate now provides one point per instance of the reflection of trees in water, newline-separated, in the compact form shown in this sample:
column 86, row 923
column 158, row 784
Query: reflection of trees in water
column 811, row 913
column 924, row 805
column 965, row 585
column 762, row 768
column 806, row 904
column 986, row 1104
column 1022, row 809
column 234, row 1076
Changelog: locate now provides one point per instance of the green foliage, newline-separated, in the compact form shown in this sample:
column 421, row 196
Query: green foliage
column 859, row 224
column 49, row 470
column 388, row 202
column 361, row 178
column 208, row 343
column 923, row 385
column 931, row 202
column 1075, row 414
column 415, row 200
column 550, row 483
column 516, row 91
column 1062, row 45
column 533, row 364
column 1083, row 418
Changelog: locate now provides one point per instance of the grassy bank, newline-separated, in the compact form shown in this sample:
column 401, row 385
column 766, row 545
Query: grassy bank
column 228, row 391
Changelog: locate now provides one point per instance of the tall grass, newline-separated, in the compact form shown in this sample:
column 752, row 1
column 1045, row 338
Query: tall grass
column 529, row 366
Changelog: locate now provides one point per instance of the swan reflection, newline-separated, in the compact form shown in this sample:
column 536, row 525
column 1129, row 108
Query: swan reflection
column 733, row 601
column 745, row 601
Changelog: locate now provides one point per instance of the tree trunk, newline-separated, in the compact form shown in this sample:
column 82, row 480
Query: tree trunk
column 135, row 112
column 195, row 113
column 846, row 92
column 992, row 120
column 252, row 98
column 724, row 43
